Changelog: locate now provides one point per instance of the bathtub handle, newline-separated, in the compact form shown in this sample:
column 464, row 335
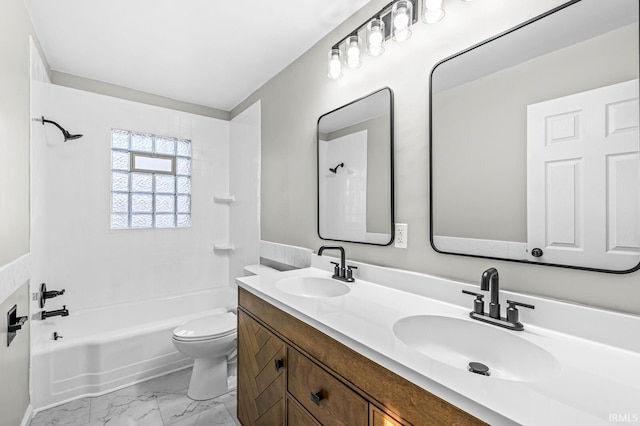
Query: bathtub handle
column 278, row 364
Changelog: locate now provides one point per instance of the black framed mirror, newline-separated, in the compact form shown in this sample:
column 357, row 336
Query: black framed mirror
column 534, row 142
column 355, row 171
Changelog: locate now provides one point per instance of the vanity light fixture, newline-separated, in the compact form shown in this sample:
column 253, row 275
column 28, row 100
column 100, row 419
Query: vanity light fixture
column 432, row 11
column 392, row 21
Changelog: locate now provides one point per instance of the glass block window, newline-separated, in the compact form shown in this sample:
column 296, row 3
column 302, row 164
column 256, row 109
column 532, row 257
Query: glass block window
column 150, row 181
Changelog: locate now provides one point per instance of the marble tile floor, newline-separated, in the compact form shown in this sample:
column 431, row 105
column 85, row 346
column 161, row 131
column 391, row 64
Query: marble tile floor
column 157, row 402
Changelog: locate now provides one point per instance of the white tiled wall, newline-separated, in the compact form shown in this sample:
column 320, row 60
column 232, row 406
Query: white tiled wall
column 298, row 257
column 72, row 244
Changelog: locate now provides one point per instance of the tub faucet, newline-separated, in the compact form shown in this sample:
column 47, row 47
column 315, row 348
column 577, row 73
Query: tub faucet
column 341, row 271
column 488, row 281
column 58, row 312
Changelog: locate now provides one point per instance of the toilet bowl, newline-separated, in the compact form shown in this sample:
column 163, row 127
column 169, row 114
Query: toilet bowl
column 212, row 342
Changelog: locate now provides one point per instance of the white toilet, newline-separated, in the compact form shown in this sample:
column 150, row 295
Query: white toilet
column 212, row 342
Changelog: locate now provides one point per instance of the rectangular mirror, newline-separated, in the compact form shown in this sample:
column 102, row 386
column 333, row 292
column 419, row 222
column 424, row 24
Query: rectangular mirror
column 355, row 171
column 535, row 144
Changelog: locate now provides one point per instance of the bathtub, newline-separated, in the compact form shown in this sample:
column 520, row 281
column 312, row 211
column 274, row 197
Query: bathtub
column 107, row 348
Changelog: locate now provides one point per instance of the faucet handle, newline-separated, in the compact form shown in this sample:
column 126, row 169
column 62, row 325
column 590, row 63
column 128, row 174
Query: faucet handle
column 512, row 311
column 513, row 304
column 478, row 304
column 349, row 273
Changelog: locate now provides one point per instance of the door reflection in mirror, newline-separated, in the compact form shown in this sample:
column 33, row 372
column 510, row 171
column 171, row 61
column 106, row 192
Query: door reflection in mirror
column 488, row 198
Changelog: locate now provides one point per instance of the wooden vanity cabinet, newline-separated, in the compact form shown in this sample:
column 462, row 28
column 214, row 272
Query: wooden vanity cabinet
column 290, row 373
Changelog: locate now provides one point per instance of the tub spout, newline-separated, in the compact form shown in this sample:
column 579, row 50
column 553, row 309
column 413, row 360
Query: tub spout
column 58, row 312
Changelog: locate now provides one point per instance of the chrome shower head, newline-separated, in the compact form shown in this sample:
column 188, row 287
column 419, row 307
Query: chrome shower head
column 67, row 136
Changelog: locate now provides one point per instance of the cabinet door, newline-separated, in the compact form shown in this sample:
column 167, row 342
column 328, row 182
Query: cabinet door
column 261, row 378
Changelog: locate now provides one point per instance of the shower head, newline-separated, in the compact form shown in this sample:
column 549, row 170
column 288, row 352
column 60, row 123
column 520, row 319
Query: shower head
column 67, row 136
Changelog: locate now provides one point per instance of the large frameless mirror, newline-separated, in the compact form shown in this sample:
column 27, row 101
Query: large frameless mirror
column 534, row 142
column 355, row 171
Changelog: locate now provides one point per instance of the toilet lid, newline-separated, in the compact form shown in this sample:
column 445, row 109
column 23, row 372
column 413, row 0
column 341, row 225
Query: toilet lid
column 207, row 327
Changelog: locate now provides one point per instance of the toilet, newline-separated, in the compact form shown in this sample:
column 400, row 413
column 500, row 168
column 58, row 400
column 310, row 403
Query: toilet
column 212, row 342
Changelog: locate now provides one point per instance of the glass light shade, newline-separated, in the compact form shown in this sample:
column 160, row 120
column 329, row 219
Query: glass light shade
column 402, row 18
column 334, row 64
column 353, row 52
column 432, row 11
column 375, row 37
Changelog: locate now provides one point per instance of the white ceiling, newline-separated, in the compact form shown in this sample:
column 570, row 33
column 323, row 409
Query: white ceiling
column 208, row 52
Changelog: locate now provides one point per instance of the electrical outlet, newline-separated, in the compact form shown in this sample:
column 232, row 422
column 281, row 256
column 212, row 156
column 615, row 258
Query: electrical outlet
column 401, row 235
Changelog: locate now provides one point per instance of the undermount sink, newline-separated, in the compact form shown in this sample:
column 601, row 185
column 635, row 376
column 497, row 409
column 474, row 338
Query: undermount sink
column 312, row 287
column 458, row 342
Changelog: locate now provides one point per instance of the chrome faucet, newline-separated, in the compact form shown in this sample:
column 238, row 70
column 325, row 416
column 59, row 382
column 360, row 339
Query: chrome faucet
column 340, row 271
column 489, row 282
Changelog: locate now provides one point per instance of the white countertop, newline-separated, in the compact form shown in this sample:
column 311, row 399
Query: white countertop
column 598, row 382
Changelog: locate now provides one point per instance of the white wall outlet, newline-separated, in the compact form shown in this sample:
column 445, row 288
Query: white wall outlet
column 401, row 235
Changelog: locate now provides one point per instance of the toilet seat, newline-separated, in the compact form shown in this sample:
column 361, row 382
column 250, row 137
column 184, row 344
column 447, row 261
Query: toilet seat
column 206, row 328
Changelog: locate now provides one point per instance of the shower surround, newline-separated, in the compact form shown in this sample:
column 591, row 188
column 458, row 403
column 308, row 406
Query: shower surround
column 72, row 245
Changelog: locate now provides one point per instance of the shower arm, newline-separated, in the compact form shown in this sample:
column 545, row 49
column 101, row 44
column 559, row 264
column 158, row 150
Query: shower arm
column 55, row 124
column 65, row 133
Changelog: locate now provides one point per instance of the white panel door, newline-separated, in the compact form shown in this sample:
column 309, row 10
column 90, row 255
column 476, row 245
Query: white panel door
column 583, row 178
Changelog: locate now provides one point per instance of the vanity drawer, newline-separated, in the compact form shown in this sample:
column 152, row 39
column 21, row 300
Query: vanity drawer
column 326, row 398
column 297, row 416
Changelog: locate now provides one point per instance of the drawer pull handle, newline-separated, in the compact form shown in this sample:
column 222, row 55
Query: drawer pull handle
column 316, row 397
column 278, row 364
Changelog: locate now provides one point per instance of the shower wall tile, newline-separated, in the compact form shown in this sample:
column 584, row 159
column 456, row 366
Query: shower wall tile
column 73, row 246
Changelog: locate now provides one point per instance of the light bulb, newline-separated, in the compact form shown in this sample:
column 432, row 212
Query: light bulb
column 401, row 21
column 375, row 37
column 353, row 52
column 432, row 11
column 335, row 64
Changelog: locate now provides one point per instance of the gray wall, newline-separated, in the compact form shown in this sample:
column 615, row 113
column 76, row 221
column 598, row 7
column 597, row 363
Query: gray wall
column 14, row 361
column 294, row 99
column 491, row 146
column 15, row 29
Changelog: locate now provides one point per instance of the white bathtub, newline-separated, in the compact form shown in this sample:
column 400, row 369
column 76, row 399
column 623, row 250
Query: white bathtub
column 107, row 348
